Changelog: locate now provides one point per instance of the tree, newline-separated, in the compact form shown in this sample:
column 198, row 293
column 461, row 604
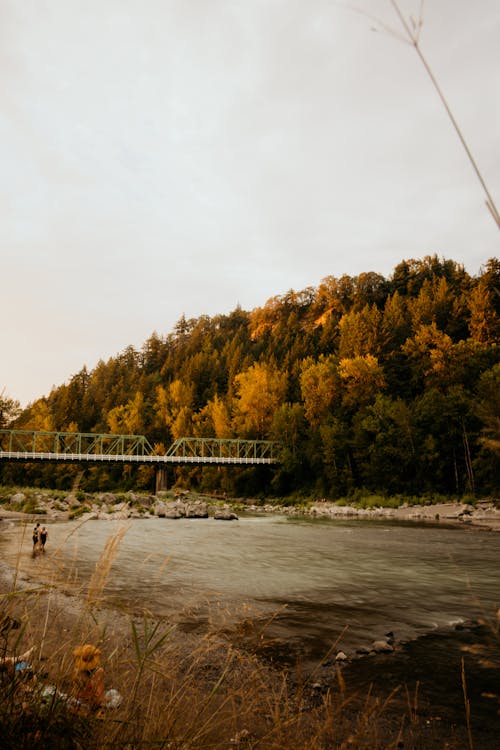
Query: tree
column 38, row 416
column 171, row 399
column 384, row 444
column 484, row 323
column 369, row 289
column 9, row 410
column 288, row 426
column 444, row 428
column 260, row 390
column 488, row 408
column 395, row 322
column 431, row 352
column 182, row 424
column 363, row 378
column 436, row 303
column 128, row 419
column 360, row 333
column 320, row 387
column 214, row 420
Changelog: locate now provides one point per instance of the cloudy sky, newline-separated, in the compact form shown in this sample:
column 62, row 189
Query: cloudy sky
column 170, row 157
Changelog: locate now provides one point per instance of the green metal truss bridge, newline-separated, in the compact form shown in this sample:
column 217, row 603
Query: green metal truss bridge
column 80, row 447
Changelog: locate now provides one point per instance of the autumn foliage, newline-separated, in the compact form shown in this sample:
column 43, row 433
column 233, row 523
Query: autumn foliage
column 384, row 384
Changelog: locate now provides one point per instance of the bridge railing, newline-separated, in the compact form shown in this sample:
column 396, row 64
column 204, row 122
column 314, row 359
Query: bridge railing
column 224, row 448
column 43, row 441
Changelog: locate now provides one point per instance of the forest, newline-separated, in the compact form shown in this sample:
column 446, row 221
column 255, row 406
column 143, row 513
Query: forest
column 370, row 384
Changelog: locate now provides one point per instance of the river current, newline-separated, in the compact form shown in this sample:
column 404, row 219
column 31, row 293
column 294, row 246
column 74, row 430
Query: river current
column 320, row 585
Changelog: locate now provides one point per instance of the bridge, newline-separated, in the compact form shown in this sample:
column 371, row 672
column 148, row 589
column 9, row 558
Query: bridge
column 80, row 447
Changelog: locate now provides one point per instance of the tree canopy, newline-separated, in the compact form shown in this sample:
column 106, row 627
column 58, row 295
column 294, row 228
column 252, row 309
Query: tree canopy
column 388, row 385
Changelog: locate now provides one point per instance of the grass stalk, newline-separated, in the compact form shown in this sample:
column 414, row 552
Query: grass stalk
column 467, row 707
column 413, row 35
column 412, row 30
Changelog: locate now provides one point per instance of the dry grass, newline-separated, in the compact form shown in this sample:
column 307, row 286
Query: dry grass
column 203, row 693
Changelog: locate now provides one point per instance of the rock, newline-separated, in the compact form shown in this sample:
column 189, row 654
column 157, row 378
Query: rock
column 119, row 507
column 381, row 647
column 160, row 509
column 145, row 500
column 341, row 656
column 363, row 651
column 19, row 497
column 107, row 497
column 197, row 510
column 225, row 514
column 174, row 514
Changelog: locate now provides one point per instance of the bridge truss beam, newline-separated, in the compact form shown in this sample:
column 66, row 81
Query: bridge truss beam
column 37, row 445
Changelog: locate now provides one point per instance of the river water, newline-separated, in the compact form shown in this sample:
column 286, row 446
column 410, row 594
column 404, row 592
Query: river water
column 299, row 590
column 320, row 585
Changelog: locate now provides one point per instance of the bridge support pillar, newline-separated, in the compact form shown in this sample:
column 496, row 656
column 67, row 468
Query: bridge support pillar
column 160, row 479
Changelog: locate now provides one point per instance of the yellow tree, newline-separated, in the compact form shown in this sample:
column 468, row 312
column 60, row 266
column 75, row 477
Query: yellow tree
column 221, row 418
column 432, row 353
column 319, row 385
column 182, row 423
column 360, row 332
column 127, row 419
column 395, row 325
column 39, row 417
column 171, row 399
column 214, row 420
column 363, row 378
column 436, row 303
column 259, row 392
column 484, row 324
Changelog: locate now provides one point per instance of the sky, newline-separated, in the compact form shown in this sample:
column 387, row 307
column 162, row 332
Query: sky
column 161, row 158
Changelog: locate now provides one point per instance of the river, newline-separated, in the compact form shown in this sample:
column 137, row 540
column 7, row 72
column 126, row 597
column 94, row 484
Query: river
column 299, row 590
column 324, row 584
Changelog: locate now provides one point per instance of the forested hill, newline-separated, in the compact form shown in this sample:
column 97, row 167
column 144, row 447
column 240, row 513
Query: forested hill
column 385, row 384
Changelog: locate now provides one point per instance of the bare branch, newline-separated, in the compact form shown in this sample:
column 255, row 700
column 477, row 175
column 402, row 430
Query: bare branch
column 414, row 40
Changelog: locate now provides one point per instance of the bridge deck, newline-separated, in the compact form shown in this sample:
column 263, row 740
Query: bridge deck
column 130, row 459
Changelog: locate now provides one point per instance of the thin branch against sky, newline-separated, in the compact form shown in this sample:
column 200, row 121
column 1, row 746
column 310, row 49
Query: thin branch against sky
column 412, row 30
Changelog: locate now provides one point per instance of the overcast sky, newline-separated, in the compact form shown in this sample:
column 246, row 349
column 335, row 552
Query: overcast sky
column 170, row 157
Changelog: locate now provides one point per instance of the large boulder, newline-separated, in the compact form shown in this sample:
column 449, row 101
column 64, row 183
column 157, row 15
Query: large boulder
column 197, row 509
column 225, row 514
column 173, row 513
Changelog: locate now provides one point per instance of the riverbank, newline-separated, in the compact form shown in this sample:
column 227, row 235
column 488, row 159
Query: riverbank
column 484, row 513
column 174, row 504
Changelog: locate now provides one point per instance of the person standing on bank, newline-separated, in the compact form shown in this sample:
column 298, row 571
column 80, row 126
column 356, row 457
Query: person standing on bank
column 43, row 537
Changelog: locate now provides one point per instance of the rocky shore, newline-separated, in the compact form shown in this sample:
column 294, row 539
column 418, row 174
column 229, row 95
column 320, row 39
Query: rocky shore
column 183, row 504
column 483, row 513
